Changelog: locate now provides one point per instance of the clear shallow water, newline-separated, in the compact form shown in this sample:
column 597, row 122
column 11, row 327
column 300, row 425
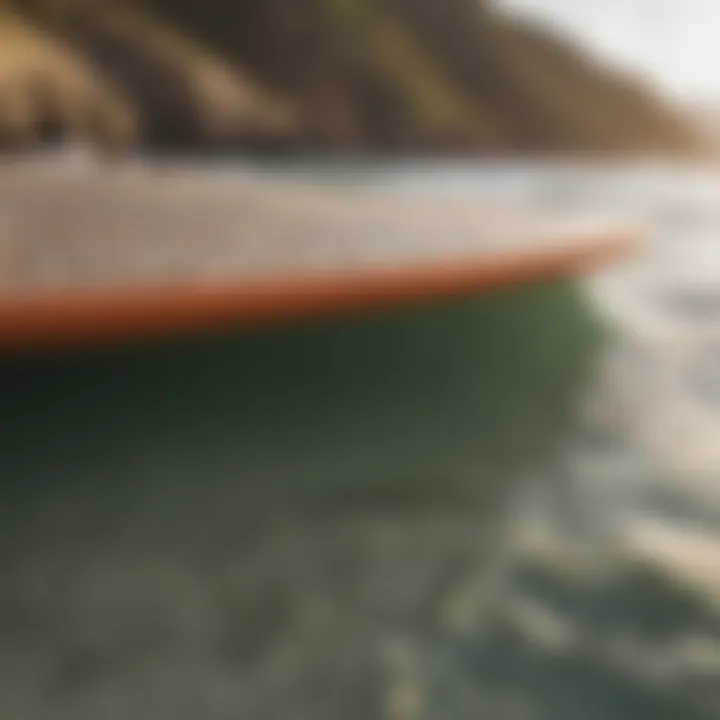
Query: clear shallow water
column 599, row 599
column 613, row 603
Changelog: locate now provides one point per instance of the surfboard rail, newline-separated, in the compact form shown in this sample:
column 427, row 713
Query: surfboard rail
column 57, row 318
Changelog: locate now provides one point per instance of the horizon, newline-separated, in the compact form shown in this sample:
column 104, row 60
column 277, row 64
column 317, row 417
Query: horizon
column 673, row 44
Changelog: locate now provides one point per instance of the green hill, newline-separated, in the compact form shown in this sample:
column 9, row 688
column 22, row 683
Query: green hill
column 381, row 76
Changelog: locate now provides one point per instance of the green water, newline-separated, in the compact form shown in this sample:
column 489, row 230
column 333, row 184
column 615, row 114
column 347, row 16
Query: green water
column 236, row 527
column 430, row 396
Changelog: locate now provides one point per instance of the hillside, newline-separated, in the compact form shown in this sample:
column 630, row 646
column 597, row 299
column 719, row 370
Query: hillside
column 705, row 116
column 381, row 76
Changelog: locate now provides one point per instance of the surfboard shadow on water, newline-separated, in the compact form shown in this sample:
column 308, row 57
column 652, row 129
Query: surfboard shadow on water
column 346, row 467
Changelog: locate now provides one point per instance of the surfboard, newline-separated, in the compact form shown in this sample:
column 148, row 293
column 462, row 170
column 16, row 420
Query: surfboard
column 106, row 255
column 298, row 349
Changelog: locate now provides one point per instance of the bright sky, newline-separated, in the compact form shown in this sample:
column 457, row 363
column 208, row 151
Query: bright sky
column 674, row 42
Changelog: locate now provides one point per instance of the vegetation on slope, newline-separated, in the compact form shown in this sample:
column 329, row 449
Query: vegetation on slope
column 48, row 91
column 328, row 75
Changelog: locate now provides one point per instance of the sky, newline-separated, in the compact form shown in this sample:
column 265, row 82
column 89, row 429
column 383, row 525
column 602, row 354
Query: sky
column 674, row 43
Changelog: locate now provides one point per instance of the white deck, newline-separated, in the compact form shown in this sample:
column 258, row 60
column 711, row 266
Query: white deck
column 64, row 225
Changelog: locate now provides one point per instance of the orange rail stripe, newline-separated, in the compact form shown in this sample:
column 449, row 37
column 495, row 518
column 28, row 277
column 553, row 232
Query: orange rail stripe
column 77, row 318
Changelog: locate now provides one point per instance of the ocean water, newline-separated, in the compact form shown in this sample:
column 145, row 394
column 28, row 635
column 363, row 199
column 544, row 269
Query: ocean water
column 540, row 539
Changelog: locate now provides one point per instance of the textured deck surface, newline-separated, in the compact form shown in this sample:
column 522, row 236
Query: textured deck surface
column 76, row 226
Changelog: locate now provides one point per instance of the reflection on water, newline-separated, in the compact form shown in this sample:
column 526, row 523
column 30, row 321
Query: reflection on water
column 307, row 526
column 632, row 580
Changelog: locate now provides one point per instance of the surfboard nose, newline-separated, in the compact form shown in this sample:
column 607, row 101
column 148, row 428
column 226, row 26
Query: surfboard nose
column 98, row 255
